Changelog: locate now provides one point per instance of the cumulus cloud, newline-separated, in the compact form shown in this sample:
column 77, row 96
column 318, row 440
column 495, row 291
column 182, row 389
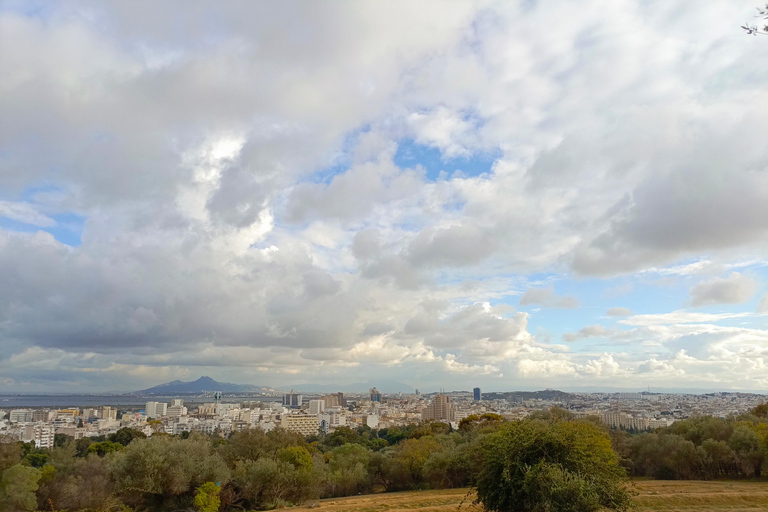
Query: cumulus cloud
column 247, row 211
column 734, row 289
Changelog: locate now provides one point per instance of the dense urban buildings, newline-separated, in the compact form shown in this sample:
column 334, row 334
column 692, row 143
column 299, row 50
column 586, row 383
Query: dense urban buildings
column 325, row 413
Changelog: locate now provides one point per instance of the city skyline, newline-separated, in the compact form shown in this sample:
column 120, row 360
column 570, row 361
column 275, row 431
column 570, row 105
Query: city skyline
column 488, row 194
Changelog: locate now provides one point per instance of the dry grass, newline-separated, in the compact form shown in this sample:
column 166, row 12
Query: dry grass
column 668, row 496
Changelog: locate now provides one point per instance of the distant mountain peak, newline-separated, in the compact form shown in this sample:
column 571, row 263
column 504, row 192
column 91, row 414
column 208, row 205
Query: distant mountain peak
column 200, row 385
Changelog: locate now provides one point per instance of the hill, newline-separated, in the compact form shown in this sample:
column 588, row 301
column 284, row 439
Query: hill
column 201, row 385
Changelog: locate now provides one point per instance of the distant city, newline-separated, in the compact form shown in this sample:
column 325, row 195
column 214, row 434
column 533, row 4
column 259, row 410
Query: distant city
column 313, row 413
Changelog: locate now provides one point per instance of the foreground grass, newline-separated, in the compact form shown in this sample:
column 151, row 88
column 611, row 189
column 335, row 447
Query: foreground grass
column 652, row 495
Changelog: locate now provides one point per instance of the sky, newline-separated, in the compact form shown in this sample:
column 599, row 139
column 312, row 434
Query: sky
column 511, row 195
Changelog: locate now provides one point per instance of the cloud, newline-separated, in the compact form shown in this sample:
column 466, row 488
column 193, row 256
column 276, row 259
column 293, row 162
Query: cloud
column 734, row 289
column 619, row 312
column 547, row 298
column 245, row 203
column 590, row 331
column 680, row 317
column 26, row 213
column 763, row 306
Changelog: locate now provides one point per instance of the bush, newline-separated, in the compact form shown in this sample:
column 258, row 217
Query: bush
column 535, row 466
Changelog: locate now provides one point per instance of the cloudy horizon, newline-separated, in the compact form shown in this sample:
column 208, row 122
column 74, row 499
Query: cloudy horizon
column 511, row 195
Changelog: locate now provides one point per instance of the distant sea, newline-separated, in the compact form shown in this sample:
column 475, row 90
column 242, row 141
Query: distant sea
column 15, row 401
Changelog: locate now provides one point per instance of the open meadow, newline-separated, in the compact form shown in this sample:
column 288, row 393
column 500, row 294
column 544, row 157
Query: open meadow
column 652, row 495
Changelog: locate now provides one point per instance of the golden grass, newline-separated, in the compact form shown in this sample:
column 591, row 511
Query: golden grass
column 652, row 495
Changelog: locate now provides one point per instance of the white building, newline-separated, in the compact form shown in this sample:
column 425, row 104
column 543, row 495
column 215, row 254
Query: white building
column 42, row 435
column 155, row 409
column 316, row 406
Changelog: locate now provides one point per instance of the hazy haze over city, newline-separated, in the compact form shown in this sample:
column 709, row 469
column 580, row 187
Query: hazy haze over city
column 510, row 195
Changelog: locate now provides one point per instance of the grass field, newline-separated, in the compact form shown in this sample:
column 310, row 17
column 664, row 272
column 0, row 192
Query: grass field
column 677, row 496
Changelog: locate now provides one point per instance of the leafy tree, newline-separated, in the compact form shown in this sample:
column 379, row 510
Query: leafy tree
column 537, row 466
column 207, row 497
column 82, row 445
column 17, row 488
column 409, row 458
column 163, row 472
column 125, row 435
column 10, row 452
column 297, row 456
column 37, row 459
column 105, row 447
column 453, row 467
column 348, row 470
column 60, row 440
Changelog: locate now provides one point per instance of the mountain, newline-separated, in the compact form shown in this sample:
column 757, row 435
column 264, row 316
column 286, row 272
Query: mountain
column 385, row 386
column 198, row 386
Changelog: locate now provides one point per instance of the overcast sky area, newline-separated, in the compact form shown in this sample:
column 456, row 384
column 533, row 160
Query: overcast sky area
column 511, row 195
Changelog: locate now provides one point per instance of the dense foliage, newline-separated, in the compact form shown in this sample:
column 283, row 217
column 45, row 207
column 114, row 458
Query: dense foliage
column 549, row 462
column 698, row 448
column 540, row 466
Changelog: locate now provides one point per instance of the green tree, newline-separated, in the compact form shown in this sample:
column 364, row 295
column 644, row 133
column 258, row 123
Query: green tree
column 105, row 447
column 125, row 435
column 562, row 466
column 37, row 459
column 17, row 489
column 207, row 497
column 297, row 456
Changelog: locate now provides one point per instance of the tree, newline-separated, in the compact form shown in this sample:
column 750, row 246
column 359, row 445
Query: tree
column 207, row 497
column 105, row 447
column 17, row 488
column 563, row 466
column 125, row 435
column 754, row 29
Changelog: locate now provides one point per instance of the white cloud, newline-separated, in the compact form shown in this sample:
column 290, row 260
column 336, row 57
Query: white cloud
column 680, row 317
column 26, row 213
column 243, row 206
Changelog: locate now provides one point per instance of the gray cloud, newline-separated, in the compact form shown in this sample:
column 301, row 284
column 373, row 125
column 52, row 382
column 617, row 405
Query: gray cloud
column 734, row 289
column 619, row 312
column 590, row 331
column 548, row 298
column 763, row 306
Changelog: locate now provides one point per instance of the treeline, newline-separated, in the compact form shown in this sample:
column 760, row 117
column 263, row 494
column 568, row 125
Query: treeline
column 250, row 470
column 256, row 470
column 699, row 448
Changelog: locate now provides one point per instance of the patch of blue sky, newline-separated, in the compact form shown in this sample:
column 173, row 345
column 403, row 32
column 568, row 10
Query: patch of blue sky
column 437, row 166
column 68, row 228
column 31, row 8
column 340, row 161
